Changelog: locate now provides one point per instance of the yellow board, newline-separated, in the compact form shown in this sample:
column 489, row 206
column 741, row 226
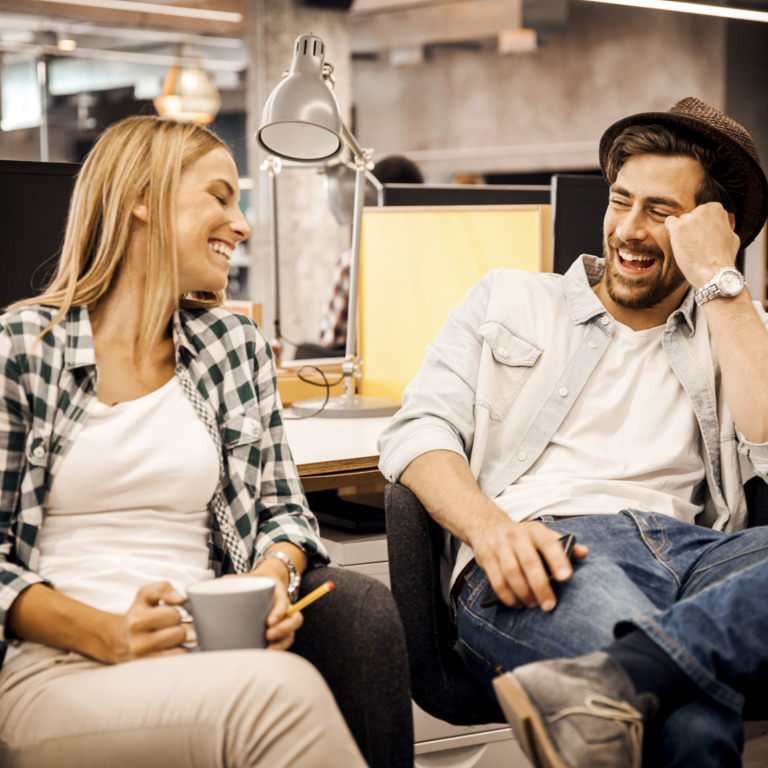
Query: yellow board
column 418, row 262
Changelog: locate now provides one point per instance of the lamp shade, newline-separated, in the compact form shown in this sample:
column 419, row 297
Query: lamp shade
column 189, row 92
column 301, row 119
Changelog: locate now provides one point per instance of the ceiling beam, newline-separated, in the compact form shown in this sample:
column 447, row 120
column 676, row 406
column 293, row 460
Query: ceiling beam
column 403, row 25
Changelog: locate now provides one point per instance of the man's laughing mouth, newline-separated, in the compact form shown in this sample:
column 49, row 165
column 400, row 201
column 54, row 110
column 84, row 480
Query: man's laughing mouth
column 635, row 262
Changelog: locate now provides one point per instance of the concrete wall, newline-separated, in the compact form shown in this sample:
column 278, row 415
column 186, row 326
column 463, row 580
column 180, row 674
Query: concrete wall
column 464, row 110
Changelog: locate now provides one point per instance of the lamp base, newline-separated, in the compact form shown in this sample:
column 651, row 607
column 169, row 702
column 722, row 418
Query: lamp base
column 346, row 407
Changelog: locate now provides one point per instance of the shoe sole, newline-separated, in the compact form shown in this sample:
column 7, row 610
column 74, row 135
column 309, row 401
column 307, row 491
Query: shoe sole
column 526, row 723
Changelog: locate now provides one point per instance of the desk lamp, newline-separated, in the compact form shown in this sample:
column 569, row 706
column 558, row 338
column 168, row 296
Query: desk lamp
column 302, row 124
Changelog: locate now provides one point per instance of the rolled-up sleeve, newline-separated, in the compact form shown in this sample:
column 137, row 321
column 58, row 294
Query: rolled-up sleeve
column 438, row 405
column 14, row 577
column 284, row 514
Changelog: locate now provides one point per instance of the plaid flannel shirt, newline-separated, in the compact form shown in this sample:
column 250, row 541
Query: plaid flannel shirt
column 225, row 368
column 333, row 316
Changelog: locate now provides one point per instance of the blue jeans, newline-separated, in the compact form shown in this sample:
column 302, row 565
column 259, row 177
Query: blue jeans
column 699, row 594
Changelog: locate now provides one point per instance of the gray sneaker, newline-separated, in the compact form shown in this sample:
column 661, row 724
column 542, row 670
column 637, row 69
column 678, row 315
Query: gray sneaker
column 576, row 713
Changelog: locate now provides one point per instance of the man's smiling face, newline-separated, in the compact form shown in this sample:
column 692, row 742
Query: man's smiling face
column 640, row 269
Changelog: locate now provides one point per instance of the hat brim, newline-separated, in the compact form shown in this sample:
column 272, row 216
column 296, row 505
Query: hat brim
column 755, row 208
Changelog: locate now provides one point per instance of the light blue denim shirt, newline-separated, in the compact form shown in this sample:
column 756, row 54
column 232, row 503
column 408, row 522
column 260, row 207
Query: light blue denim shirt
column 513, row 357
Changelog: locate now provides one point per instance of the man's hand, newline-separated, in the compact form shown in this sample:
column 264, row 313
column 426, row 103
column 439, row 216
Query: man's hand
column 703, row 241
column 511, row 555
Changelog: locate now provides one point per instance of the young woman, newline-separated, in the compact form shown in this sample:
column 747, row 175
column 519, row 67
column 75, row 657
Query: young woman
column 142, row 450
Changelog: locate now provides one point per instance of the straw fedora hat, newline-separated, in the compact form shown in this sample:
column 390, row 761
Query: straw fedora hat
column 712, row 127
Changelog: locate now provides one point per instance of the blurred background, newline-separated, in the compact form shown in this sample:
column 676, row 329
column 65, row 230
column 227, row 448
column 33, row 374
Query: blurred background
column 496, row 91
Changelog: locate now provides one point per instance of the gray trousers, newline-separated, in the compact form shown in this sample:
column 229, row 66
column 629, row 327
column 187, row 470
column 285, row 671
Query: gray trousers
column 200, row 710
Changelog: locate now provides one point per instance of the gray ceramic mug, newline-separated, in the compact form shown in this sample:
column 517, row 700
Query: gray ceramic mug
column 231, row 613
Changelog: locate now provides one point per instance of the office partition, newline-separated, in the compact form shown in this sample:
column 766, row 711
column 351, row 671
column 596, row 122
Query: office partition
column 418, row 262
column 34, row 199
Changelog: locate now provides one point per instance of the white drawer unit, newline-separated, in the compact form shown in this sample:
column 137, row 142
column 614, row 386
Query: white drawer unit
column 438, row 744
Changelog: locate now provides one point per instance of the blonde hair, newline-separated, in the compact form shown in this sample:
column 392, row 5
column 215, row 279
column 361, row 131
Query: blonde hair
column 136, row 160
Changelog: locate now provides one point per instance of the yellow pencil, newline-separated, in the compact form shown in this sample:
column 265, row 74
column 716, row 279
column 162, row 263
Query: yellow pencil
column 323, row 589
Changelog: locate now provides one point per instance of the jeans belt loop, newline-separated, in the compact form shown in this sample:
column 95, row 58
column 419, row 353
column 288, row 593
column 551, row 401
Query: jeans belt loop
column 458, row 585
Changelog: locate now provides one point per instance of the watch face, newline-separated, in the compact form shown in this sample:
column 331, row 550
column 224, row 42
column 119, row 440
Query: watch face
column 730, row 283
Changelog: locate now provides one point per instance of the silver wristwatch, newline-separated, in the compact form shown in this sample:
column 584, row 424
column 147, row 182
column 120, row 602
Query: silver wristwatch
column 294, row 580
column 727, row 283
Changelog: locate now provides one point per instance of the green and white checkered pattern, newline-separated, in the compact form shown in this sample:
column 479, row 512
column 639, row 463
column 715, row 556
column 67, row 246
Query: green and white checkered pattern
column 225, row 367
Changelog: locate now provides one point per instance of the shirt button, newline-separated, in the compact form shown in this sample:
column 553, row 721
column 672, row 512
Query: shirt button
column 563, row 391
column 521, row 456
column 502, row 351
column 604, row 320
column 226, row 527
column 39, row 452
column 592, row 345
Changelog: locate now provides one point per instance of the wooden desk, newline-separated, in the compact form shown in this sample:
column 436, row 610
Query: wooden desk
column 334, row 453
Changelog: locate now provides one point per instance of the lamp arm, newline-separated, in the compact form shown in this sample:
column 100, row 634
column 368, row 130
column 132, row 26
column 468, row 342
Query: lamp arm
column 353, row 144
column 272, row 166
column 351, row 367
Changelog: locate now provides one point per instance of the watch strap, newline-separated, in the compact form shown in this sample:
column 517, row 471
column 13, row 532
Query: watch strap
column 711, row 289
column 294, row 577
column 706, row 292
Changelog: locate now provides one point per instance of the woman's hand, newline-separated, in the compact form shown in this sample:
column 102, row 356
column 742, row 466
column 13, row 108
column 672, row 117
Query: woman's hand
column 152, row 626
column 42, row 615
column 281, row 631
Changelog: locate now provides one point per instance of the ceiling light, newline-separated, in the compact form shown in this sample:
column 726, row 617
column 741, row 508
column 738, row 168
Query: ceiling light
column 704, row 10
column 155, row 8
column 517, row 41
column 66, row 44
column 190, row 93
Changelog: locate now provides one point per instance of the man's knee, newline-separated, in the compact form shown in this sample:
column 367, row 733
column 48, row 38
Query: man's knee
column 701, row 733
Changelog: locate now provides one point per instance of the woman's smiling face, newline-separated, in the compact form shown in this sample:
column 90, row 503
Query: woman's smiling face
column 208, row 222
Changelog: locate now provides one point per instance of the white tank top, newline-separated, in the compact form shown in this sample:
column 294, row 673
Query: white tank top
column 128, row 505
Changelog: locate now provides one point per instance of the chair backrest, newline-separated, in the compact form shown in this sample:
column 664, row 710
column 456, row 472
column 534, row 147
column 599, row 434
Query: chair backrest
column 441, row 684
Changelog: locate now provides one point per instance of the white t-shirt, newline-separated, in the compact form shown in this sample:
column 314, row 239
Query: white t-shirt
column 128, row 505
column 633, row 443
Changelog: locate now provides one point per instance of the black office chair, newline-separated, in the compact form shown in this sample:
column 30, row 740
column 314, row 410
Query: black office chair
column 440, row 683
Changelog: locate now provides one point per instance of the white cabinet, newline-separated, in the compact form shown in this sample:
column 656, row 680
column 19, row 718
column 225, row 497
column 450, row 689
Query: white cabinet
column 438, row 744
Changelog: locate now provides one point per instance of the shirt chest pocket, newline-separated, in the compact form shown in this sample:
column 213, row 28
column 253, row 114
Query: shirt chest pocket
column 241, row 437
column 507, row 361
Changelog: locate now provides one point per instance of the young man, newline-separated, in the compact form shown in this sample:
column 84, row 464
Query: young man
column 620, row 403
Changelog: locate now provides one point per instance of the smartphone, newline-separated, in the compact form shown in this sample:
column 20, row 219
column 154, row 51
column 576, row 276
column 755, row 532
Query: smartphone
column 491, row 598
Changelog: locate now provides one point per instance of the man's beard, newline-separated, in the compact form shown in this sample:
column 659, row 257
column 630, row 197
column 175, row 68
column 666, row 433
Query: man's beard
column 643, row 291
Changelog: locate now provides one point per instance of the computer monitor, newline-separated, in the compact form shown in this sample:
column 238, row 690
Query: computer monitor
column 34, row 199
column 465, row 194
column 578, row 207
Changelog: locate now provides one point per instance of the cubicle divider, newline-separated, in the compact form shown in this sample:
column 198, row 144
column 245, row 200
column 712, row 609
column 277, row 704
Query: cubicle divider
column 34, row 199
column 418, row 262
